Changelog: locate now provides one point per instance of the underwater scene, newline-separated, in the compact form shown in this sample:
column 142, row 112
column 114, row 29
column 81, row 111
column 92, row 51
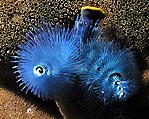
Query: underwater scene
column 74, row 59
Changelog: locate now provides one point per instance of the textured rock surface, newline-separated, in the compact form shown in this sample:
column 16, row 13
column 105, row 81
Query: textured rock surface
column 130, row 18
column 14, row 106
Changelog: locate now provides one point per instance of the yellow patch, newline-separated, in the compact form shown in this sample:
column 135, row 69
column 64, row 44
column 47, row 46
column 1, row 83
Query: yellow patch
column 93, row 8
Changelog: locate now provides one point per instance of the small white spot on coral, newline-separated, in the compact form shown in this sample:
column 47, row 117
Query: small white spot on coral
column 29, row 110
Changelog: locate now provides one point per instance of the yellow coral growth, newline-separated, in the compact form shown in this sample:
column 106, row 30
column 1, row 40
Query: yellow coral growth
column 93, row 8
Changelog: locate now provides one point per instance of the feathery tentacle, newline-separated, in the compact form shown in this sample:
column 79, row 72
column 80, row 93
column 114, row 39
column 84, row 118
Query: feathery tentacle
column 47, row 60
column 108, row 71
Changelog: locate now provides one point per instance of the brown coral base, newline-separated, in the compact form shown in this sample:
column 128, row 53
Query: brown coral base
column 14, row 106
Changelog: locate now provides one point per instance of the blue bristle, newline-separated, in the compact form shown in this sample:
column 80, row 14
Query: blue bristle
column 48, row 59
column 106, row 68
column 87, row 31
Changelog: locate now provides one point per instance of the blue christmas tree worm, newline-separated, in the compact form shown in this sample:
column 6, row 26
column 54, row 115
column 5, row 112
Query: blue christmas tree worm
column 47, row 61
column 108, row 71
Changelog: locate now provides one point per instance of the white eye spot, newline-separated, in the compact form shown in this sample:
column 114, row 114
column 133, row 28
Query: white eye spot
column 121, row 94
column 39, row 70
column 117, row 83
